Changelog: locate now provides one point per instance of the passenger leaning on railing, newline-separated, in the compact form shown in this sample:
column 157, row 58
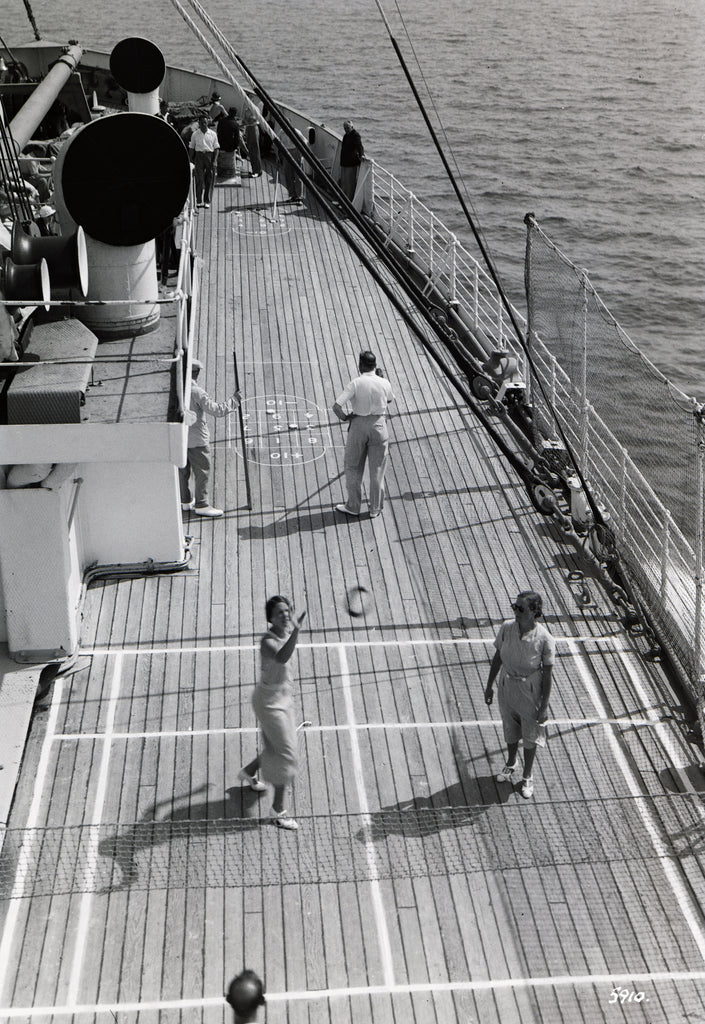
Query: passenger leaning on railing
column 351, row 154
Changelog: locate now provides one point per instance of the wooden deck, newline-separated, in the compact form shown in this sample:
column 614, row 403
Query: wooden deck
column 417, row 888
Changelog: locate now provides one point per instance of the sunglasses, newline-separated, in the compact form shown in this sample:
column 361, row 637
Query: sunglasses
column 521, row 608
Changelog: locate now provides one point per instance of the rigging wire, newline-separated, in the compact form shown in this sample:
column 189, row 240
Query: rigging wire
column 597, row 514
column 218, row 60
column 442, row 128
column 444, row 160
column 10, row 173
column 30, row 15
column 598, row 517
column 380, row 250
column 9, row 52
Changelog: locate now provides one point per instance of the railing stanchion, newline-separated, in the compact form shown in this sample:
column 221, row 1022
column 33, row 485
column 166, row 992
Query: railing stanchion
column 665, row 556
column 452, row 300
column 410, row 239
column 583, row 375
column 623, row 491
column 476, row 297
column 431, row 246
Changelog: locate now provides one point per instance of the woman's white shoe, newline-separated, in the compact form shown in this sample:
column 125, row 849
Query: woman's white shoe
column 252, row 781
column 282, row 820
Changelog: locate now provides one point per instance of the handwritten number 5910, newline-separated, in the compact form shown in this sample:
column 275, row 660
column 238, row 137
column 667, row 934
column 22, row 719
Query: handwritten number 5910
column 625, row 995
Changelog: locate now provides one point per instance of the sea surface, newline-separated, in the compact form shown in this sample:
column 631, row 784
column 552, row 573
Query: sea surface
column 591, row 115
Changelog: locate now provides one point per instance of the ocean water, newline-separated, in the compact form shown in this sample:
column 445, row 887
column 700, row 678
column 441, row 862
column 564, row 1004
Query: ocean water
column 589, row 114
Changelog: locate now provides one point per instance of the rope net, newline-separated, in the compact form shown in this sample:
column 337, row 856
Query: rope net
column 636, row 437
column 408, row 842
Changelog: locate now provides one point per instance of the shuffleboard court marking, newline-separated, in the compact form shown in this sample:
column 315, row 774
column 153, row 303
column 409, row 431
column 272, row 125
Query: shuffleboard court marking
column 690, row 911
column 23, row 860
column 385, row 946
column 610, row 981
column 282, row 431
column 94, row 834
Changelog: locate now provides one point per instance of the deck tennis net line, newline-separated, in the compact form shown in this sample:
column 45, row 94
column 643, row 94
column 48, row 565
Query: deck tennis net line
column 413, row 841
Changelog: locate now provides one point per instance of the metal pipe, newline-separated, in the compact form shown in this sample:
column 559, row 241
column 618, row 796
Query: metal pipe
column 26, row 122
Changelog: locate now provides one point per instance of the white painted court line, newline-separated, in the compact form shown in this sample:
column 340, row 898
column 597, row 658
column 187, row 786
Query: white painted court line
column 610, row 981
column 333, row 644
column 385, row 946
column 691, row 912
column 353, row 728
column 470, row 723
column 23, row 859
column 673, row 753
column 94, row 835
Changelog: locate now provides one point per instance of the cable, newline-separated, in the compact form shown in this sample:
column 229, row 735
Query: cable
column 30, row 15
column 382, row 252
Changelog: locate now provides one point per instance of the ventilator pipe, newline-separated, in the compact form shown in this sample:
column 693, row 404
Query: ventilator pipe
column 138, row 66
column 116, row 272
column 130, row 570
column 123, row 178
column 25, row 123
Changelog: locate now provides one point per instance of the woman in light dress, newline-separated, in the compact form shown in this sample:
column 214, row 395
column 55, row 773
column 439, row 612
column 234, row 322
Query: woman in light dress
column 273, row 704
column 524, row 660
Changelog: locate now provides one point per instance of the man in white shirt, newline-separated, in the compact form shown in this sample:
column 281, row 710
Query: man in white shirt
column 203, row 150
column 367, row 398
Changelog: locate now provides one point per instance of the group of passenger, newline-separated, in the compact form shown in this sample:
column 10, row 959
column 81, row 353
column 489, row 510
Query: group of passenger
column 220, row 137
column 363, row 405
column 525, row 650
column 214, row 144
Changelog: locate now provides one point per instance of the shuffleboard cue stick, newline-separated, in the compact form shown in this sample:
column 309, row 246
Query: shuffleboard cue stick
column 242, row 435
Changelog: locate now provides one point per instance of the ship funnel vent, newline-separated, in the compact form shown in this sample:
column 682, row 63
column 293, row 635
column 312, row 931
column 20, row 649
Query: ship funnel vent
column 124, row 178
column 138, row 66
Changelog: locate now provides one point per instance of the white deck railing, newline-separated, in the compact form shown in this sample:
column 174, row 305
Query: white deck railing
column 448, row 267
column 660, row 558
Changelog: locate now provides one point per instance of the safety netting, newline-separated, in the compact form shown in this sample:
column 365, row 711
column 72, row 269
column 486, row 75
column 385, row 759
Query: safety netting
column 639, row 441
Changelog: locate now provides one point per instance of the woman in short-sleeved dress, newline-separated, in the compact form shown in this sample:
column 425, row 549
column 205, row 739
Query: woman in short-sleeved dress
column 524, row 657
column 273, row 705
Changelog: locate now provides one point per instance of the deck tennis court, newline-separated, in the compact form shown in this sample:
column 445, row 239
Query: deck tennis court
column 412, row 877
